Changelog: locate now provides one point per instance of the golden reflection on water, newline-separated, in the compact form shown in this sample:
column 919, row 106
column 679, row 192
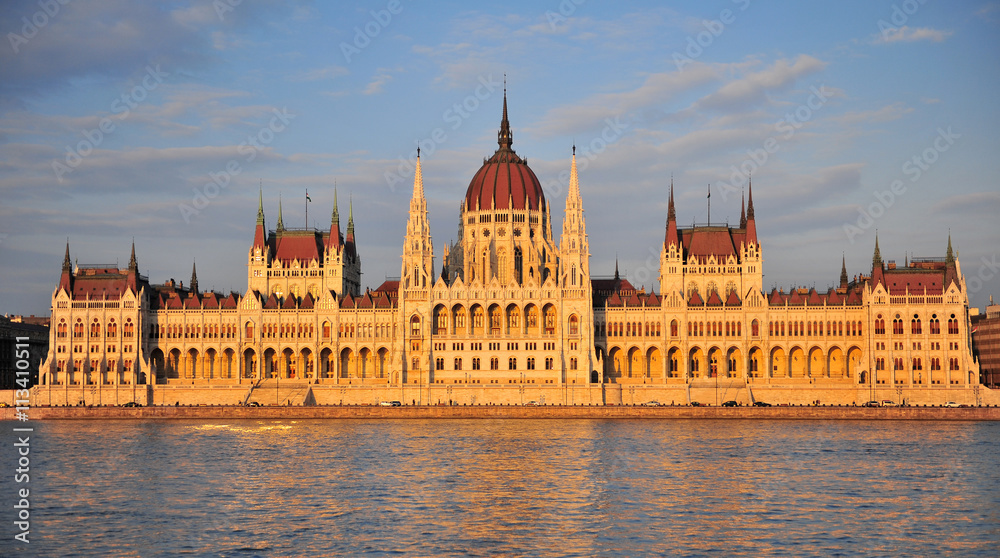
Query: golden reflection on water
column 517, row 487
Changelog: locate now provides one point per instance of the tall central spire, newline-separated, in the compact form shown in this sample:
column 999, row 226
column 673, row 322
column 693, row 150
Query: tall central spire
column 504, row 138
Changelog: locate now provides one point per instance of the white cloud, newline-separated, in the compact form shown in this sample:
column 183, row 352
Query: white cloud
column 907, row 34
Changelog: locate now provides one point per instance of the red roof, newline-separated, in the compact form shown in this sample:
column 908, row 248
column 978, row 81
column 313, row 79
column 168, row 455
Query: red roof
column 304, row 246
column 271, row 303
column 504, row 183
column 897, row 281
column 108, row 283
column 733, row 299
column 288, row 303
column 695, row 299
column 714, row 299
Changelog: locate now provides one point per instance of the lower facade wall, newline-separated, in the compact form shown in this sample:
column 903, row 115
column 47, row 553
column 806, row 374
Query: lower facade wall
column 302, row 393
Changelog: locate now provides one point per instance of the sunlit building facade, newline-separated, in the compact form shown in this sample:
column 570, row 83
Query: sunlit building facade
column 509, row 307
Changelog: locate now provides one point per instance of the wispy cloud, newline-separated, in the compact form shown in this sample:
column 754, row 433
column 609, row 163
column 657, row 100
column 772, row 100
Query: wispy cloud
column 907, row 34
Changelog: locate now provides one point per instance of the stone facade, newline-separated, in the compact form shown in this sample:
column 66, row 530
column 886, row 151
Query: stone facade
column 513, row 315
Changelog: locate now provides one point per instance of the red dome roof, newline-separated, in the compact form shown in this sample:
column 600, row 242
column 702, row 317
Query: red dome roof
column 505, row 181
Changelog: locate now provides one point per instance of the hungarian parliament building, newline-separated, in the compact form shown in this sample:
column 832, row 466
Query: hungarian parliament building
column 508, row 309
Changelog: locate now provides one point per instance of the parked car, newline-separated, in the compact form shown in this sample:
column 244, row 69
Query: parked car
column 253, row 404
column 531, row 404
column 871, row 404
column 695, row 404
column 730, row 404
column 951, row 404
column 761, row 404
column 385, row 403
column 132, row 404
column 652, row 403
column 888, row 403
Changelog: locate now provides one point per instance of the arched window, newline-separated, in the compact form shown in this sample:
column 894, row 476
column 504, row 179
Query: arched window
column 915, row 328
column 249, row 330
column 415, row 326
column 574, row 325
column 755, row 328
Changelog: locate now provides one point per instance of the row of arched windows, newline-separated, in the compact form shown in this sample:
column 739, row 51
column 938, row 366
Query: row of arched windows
column 916, row 327
column 814, row 327
column 177, row 331
column 627, row 329
column 110, row 330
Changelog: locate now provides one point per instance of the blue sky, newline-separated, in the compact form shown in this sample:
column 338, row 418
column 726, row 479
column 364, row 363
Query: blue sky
column 830, row 105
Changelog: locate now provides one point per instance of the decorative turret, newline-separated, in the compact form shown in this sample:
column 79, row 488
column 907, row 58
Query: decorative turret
column 878, row 269
column 950, row 256
column 334, row 239
column 751, row 225
column 281, row 222
column 194, row 279
column 260, row 233
column 743, row 213
column 575, row 248
column 133, row 265
column 671, row 238
column 418, row 253
column 843, row 272
column 66, row 279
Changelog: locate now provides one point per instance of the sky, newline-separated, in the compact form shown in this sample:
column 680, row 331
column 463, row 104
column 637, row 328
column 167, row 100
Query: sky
column 161, row 123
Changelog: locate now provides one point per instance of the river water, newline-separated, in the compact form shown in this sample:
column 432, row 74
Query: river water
column 507, row 487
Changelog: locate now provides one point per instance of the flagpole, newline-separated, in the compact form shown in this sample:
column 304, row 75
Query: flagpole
column 710, row 205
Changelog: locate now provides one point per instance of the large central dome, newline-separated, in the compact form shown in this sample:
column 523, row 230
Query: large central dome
column 505, row 181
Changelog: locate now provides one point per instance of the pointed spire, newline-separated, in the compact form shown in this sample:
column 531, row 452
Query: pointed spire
column 350, row 217
column 194, row 278
column 877, row 257
column 504, row 138
column 616, row 268
column 843, row 271
column 751, row 222
column 743, row 213
column 133, row 265
column 335, row 218
column 950, row 256
column 574, row 181
column 281, row 221
column 418, row 180
column 671, row 238
column 260, row 207
column 68, row 263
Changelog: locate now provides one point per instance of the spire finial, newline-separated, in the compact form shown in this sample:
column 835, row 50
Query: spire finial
column 750, row 199
column 194, row 278
column 743, row 212
column 133, row 265
column 504, row 138
column 877, row 257
column 843, row 270
column 350, row 215
column 260, row 204
column 616, row 267
column 574, row 182
column 67, row 263
column 950, row 256
column 281, row 222
column 335, row 218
